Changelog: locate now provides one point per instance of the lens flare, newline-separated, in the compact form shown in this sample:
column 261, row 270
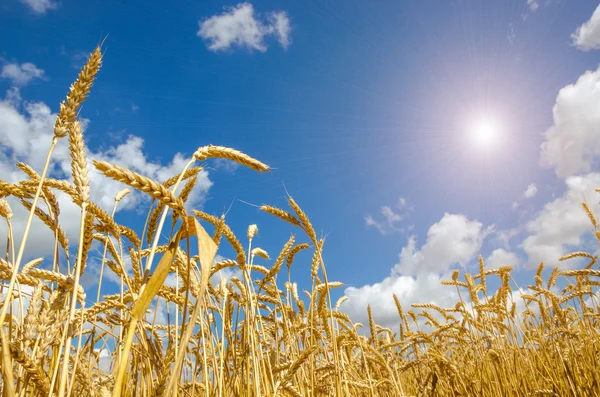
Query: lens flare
column 484, row 132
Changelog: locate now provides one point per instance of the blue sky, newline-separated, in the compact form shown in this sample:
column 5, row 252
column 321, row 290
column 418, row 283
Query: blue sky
column 364, row 109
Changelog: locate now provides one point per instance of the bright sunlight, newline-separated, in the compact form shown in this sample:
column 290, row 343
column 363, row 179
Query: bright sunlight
column 484, row 131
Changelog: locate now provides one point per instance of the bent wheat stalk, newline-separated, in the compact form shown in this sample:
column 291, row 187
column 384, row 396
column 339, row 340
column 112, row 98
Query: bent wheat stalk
column 141, row 305
column 207, row 250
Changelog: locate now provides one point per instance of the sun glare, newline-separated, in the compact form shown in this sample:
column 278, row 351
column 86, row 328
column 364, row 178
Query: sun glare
column 484, row 132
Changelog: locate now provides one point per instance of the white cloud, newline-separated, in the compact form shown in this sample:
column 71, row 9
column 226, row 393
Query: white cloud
column 370, row 221
column 500, row 257
column 26, row 131
column 424, row 288
column 238, row 26
column 40, row 6
column 587, row 36
column 533, row 4
column 280, row 23
column 104, row 360
column 21, row 75
column 530, row 191
column 391, row 217
column 453, row 240
column 572, row 145
column 561, row 225
column 225, row 165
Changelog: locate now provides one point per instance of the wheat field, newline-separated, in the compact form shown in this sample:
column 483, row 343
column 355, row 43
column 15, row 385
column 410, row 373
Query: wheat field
column 255, row 334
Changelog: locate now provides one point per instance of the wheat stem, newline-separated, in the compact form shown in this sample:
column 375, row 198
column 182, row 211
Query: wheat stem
column 65, row 367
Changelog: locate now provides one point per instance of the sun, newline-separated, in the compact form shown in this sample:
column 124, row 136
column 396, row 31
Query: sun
column 484, row 132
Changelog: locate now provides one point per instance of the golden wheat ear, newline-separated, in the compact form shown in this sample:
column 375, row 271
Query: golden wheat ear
column 222, row 152
column 142, row 183
column 78, row 93
column 5, row 210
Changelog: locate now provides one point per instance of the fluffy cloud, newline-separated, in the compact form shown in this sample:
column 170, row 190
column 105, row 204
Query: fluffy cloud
column 530, row 191
column 425, row 288
column 500, row 257
column 587, row 36
column 454, row 240
column 26, row 130
column 40, row 6
column 22, row 74
column 451, row 241
column 571, row 145
column 561, row 225
column 239, row 27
